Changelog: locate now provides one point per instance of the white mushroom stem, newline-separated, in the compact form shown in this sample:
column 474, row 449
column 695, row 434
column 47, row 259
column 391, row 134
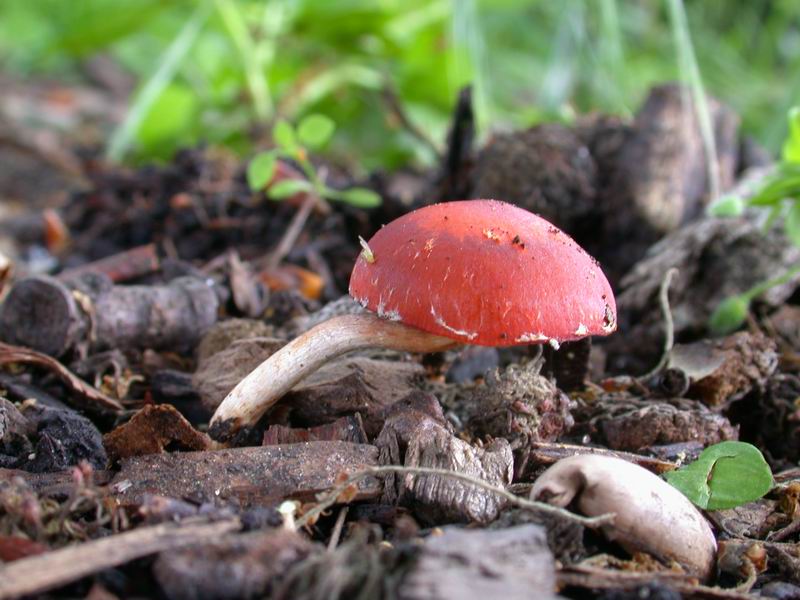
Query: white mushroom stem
column 268, row 382
column 649, row 514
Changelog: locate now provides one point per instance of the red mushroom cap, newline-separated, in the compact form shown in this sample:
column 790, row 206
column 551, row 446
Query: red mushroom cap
column 484, row 272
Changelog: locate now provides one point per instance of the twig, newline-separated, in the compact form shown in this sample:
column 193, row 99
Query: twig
column 292, row 231
column 18, row 354
column 44, row 572
column 123, row 266
column 669, row 325
column 168, row 65
column 331, row 497
column 337, row 528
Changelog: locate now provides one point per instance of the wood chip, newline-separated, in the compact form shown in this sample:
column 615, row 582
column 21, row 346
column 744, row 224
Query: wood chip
column 151, row 431
column 38, row 574
column 252, row 476
column 513, row 563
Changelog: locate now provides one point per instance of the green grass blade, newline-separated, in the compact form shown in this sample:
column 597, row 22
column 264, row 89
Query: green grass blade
column 691, row 73
column 121, row 139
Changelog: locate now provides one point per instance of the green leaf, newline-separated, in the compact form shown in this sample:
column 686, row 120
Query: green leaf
column 725, row 475
column 729, row 315
column 261, row 170
column 315, row 131
column 727, row 206
column 359, row 197
column 287, row 188
column 170, row 116
column 783, row 183
column 791, row 224
column 791, row 147
column 283, row 134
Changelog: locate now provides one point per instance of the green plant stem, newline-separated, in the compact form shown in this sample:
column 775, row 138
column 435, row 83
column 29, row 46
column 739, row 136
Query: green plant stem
column 691, row 72
column 171, row 60
column 254, row 69
column 762, row 287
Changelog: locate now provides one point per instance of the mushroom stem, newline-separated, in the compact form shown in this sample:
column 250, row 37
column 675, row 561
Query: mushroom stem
column 268, row 382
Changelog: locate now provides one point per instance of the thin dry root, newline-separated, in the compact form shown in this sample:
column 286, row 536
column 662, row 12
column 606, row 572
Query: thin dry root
column 650, row 515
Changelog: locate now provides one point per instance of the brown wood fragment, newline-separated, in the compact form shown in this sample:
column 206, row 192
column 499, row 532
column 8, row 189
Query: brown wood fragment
column 661, row 172
column 520, row 405
column 45, row 314
column 724, row 370
column 236, row 566
column 346, row 429
column 434, row 499
column 631, row 424
column 513, row 563
column 547, row 453
column 708, row 254
column 38, row 574
column 218, row 373
column 252, row 476
column 351, row 385
column 87, row 396
column 56, row 484
column 152, row 430
column 123, row 266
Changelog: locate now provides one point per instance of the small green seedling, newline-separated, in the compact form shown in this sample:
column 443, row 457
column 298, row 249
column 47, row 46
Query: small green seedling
column 312, row 133
column 725, row 475
column 780, row 195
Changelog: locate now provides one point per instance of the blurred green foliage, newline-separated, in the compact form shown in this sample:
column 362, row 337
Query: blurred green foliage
column 251, row 61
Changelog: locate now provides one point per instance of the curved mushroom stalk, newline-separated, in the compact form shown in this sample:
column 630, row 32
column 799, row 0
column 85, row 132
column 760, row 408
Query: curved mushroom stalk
column 273, row 378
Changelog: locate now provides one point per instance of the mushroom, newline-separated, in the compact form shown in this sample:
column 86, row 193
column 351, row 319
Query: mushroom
column 471, row 272
column 649, row 514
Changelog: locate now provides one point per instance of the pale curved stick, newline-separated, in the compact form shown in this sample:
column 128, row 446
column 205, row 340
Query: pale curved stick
column 268, row 382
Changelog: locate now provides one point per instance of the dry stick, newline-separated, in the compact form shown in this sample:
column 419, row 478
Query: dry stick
column 123, row 266
column 18, row 354
column 669, row 325
column 292, row 231
column 331, row 497
column 44, row 572
column 337, row 528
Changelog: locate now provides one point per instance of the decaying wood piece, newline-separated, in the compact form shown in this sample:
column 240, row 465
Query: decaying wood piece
column 55, row 484
column 548, row 453
column 720, row 371
column 621, row 421
column 252, row 476
column 64, row 438
column 650, row 514
column 38, row 574
column 45, row 314
column 218, row 373
column 478, row 564
column 235, row 566
column 152, row 430
column 346, row 429
column 350, row 385
column 709, row 254
column 546, row 169
column 123, row 266
column 84, row 393
column 661, row 171
column 434, row 499
column 519, row 405
column 224, row 333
